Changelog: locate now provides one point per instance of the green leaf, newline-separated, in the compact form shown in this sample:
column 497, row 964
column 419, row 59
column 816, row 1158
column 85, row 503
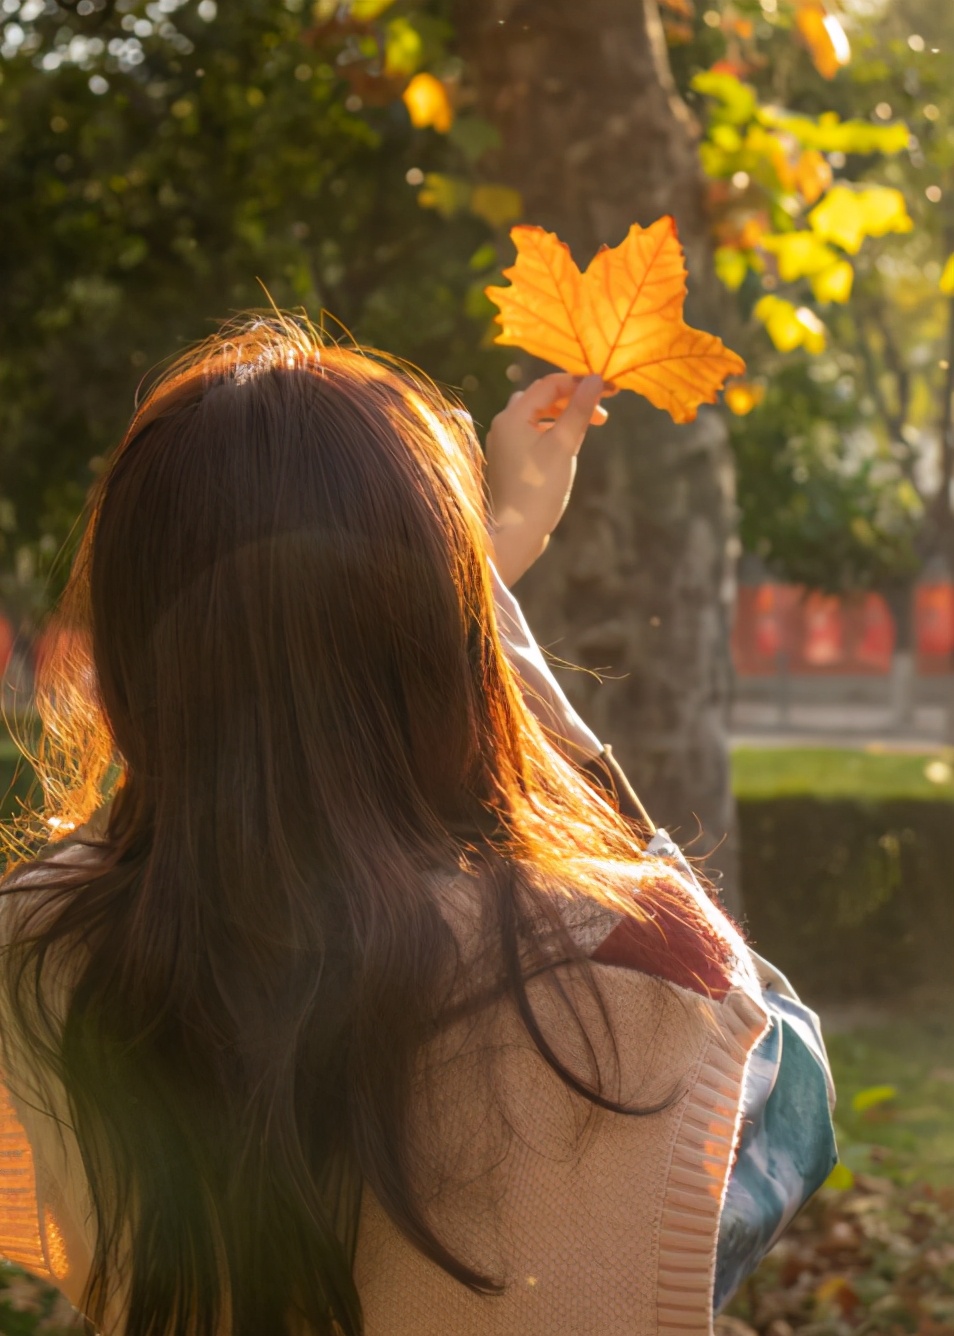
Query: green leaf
column 403, row 48
column 841, row 1178
column 830, row 134
column 736, row 102
column 446, row 195
column 133, row 252
column 413, row 42
column 731, row 267
column 726, row 137
column 497, row 205
column 716, row 161
column 874, row 1095
column 474, row 136
column 476, row 302
column 484, row 257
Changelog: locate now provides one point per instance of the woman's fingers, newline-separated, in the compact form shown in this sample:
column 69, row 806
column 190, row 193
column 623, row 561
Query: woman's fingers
column 548, row 416
column 544, row 401
column 582, row 409
column 542, row 395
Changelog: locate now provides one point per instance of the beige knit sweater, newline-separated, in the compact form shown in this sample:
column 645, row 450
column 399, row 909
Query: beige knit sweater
column 595, row 1223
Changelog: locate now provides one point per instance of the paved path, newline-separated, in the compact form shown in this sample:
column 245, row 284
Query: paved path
column 842, row 724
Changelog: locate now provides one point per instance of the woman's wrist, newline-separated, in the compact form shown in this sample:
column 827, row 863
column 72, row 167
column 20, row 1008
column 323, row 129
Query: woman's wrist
column 513, row 551
column 531, row 465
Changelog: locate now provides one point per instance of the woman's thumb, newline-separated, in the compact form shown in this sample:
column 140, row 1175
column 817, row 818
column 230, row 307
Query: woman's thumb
column 570, row 428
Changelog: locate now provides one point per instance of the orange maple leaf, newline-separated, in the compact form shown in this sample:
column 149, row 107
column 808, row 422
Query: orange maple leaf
column 622, row 318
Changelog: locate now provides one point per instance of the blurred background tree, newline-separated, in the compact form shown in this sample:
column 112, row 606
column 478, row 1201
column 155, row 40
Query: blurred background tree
column 161, row 162
column 845, row 448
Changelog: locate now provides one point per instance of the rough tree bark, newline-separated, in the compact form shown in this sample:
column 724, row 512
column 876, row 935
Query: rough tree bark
column 638, row 582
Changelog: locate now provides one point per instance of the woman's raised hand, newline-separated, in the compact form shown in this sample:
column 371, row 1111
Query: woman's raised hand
column 531, row 463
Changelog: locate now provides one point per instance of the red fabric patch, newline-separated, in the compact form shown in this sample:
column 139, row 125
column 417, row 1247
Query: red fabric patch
column 674, row 942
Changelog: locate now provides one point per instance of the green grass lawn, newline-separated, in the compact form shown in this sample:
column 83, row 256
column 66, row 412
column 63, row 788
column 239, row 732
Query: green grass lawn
column 838, row 772
column 895, row 1083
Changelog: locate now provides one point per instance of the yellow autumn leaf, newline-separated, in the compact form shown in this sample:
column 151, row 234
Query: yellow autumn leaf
column 813, row 175
column 778, row 317
column 367, row 10
column 789, row 326
column 751, row 232
column 725, row 137
column 403, row 48
column 824, row 36
column 622, row 318
column 947, row 278
column 834, row 284
column 799, row 254
column 847, row 216
column 743, row 396
column 427, row 103
column 737, row 102
column 871, row 1097
column 731, row 267
column 841, row 1178
column 496, row 204
column 815, row 336
column 828, row 133
column 857, row 136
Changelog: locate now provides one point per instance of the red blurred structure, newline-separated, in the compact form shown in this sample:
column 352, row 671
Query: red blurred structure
column 786, row 627
column 6, row 643
column 781, row 627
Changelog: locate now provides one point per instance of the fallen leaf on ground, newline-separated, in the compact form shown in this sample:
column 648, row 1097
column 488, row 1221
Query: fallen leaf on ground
column 875, row 1258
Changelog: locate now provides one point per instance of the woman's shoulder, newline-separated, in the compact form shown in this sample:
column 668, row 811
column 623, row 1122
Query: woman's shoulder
column 668, row 926
column 648, row 916
column 654, row 918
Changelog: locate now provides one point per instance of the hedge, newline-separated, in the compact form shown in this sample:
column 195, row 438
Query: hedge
column 851, row 898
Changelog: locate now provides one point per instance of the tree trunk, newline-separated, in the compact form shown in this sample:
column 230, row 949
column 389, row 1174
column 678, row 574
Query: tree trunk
column 943, row 515
column 638, row 582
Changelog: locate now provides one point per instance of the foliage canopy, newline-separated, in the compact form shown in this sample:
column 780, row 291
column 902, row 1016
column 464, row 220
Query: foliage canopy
column 163, row 161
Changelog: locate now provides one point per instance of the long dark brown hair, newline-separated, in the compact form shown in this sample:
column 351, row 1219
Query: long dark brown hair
column 277, row 659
